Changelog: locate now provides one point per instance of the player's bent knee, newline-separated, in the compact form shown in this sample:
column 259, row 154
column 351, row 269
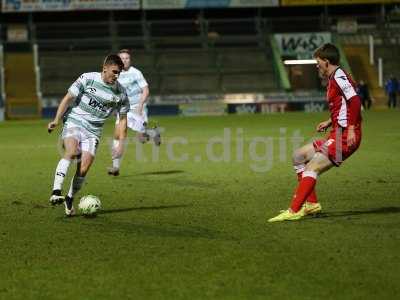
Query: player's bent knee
column 298, row 157
column 70, row 155
column 319, row 163
column 313, row 168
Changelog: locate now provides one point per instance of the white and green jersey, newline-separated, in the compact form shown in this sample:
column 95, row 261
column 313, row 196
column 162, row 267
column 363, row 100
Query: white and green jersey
column 95, row 101
column 133, row 81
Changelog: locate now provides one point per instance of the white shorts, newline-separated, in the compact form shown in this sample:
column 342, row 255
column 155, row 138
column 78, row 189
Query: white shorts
column 86, row 141
column 136, row 122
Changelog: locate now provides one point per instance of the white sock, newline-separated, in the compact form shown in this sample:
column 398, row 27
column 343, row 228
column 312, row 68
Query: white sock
column 76, row 184
column 61, row 172
column 116, row 163
column 116, row 159
column 151, row 132
column 115, row 144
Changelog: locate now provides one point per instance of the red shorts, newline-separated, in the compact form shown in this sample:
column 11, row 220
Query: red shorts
column 335, row 145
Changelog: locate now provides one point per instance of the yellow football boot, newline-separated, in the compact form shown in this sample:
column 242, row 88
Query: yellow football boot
column 288, row 215
column 312, row 208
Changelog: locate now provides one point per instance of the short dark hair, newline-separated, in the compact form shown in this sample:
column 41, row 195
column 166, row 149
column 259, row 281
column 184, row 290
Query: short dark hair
column 113, row 59
column 329, row 52
column 127, row 51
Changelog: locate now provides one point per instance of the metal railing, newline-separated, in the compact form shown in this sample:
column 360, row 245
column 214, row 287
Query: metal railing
column 37, row 70
column 194, row 33
column 203, row 34
column 2, row 77
column 161, row 66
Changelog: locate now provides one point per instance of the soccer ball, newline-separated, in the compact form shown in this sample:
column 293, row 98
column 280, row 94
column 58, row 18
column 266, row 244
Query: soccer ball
column 89, row 205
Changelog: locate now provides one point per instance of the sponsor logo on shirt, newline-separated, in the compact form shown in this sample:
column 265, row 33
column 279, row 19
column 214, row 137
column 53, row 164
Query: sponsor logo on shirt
column 97, row 105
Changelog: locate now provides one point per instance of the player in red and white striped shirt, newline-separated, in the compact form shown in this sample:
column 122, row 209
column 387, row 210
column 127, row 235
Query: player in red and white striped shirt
column 344, row 138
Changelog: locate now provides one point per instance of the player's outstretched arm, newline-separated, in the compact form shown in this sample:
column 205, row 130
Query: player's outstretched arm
column 62, row 108
column 323, row 126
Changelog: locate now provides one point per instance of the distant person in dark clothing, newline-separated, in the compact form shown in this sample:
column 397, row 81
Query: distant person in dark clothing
column 363, row 92
column 392, row 88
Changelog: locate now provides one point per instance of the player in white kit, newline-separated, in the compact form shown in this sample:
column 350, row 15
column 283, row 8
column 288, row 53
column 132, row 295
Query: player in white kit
column 138, row 91
column 93, row 96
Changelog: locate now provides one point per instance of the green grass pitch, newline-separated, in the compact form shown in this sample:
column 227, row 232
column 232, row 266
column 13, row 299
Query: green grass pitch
column 192, row 227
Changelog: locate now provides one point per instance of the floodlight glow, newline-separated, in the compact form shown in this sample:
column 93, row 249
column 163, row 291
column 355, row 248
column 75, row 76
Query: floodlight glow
column 300, row 62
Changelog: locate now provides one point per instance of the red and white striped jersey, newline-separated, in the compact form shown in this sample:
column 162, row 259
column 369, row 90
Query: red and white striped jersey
column 344, row 103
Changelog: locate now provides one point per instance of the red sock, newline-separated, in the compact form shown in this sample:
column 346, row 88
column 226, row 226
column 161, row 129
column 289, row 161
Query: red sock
column 313, row 196
column 304, row 189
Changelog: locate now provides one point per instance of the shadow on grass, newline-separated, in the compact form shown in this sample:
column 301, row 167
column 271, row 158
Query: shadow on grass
column 121, row 210
column 380, row 210
column 155, row 228
column 166, row 230
column 162, row 172
column 170, row 172
column 178, row 181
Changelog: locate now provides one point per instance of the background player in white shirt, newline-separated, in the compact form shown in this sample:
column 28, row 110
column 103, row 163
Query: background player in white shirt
column 138, row 91
column 93, row 96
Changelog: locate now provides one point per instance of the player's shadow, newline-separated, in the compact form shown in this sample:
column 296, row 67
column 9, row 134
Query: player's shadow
column 178, row 180
column 162, row 172
column 170, row 172
column 379, row 210
column 160, row 230
column 127, row 209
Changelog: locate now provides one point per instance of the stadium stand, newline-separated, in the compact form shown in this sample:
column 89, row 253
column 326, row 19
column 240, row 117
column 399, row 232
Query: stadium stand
column 391, row 60
column 170, row 71
column 176, row 57
column 57, row 73
column 2, row 79
column 65, row 36
column 386, row 43
column 196, row 51
column 358, row 57
column 21, row 102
